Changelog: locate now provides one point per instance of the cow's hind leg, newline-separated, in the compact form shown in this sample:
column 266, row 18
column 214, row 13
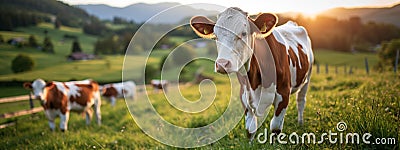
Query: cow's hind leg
column 97, row 105
column 250, row 124
column 301, row 102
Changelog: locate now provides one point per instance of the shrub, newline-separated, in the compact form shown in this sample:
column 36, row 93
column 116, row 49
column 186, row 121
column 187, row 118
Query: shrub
column 22, row 63
column 387, row 54
column 76, row 47
column 151, row 72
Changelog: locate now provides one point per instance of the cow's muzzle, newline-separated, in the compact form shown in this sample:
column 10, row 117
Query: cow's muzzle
column 223, row 66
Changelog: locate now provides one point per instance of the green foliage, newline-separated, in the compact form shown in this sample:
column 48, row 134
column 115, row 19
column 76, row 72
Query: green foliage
column 48, row 46
column 57, row 24
column 185, row 53
column 387, row 54
column 32, row 41
column 76, row 47
column 1, row 39
column 151, row 72
column 22, row 63
column 66, row 14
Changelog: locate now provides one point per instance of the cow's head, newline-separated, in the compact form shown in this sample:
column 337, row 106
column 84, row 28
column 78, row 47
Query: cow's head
column 234, row 32
column 38, row 88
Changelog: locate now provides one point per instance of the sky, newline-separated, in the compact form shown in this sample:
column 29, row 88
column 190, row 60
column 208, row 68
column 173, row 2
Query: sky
column 254, row 6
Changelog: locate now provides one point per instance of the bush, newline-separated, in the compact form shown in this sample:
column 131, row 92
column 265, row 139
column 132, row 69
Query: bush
column 48, row 45
column 387, row 54
column 22, row 63
column 32, row 41
column 76, row 47
column 151, row 72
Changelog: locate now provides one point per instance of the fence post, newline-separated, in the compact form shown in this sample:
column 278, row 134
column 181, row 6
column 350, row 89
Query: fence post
column 317, row 68
column 30, row 100
column 366, row 65
column 351, row 70
column 326, row 69
column 336, row 69
column 396, row 61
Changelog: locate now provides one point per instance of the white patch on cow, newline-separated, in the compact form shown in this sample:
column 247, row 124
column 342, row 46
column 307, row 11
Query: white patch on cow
column 277, row 121
column 51, row 115
column 245, row 97
column 77, row 107
column 232, row 30
column 251, row 122
column 267, row 97
column 60, row 86
column 290, row 35
column 292, row 68
column 64, row 121
column 73, row 90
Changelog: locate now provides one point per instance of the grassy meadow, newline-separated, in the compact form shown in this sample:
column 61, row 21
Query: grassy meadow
column 366, row 103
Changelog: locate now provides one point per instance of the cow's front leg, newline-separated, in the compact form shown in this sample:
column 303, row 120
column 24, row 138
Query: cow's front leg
column 89, row 114
column 64, row 117
column 250, row 117
column 51, row 115
column 251, row 124
column 112, row 99
column 280, row 105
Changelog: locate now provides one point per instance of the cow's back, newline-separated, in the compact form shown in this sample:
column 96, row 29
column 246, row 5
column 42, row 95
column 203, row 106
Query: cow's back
column 82, row 94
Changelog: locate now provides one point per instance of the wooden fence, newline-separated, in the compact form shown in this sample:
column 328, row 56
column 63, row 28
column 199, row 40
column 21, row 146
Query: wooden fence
column 31, row 110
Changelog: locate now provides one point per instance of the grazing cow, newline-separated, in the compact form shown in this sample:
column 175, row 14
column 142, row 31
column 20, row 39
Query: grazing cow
column 116, row 90
column 159, row 85
column 276, row 60
column 59, row 98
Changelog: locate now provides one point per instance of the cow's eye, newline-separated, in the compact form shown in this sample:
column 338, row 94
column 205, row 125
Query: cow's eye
column 244, row 34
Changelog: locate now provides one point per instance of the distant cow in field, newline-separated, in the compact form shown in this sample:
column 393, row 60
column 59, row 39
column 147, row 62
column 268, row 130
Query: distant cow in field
column 59, row 98
column 112, row 91
column 271, row 62
column 159, row 85
column 200, row 77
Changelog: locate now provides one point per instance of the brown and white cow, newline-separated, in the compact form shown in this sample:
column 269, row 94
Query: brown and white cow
column 60, row 98
column 159, row 85
column 125, row 89
column 271, row 62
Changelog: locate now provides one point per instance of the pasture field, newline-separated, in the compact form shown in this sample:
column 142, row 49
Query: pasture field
column 367, row 104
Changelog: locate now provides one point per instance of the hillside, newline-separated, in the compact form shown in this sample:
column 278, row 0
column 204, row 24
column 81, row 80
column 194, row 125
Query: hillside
column 140, row 12
column 386, row 15
column 66, row 14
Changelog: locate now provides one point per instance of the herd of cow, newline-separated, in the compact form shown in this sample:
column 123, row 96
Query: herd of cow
column 277, row 62
column 60, row 98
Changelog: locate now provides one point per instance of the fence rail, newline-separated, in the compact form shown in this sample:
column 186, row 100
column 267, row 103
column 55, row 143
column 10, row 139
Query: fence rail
column 21, row 113
column 14, row 99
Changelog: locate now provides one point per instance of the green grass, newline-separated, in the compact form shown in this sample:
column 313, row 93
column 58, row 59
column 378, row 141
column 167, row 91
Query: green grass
column 335, row 58
column 365, row 103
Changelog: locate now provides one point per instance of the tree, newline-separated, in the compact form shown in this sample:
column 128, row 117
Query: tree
column 48, row 45
column 32, row 41
column 22, row 63
column 57, row 24
column 76, row 47
column 387, row 54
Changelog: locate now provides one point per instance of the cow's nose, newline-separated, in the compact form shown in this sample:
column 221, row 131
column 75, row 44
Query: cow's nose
column 222, row 65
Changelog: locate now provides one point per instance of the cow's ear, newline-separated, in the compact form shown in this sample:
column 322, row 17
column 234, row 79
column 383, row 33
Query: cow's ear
column 27, row 85
column 203, row 27
column 265, row 22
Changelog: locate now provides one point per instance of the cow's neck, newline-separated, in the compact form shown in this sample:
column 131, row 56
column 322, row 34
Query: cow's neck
column 260, row 67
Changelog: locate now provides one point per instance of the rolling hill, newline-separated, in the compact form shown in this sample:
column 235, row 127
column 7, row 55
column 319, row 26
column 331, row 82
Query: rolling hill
column 386, row 15
column 140, row 12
